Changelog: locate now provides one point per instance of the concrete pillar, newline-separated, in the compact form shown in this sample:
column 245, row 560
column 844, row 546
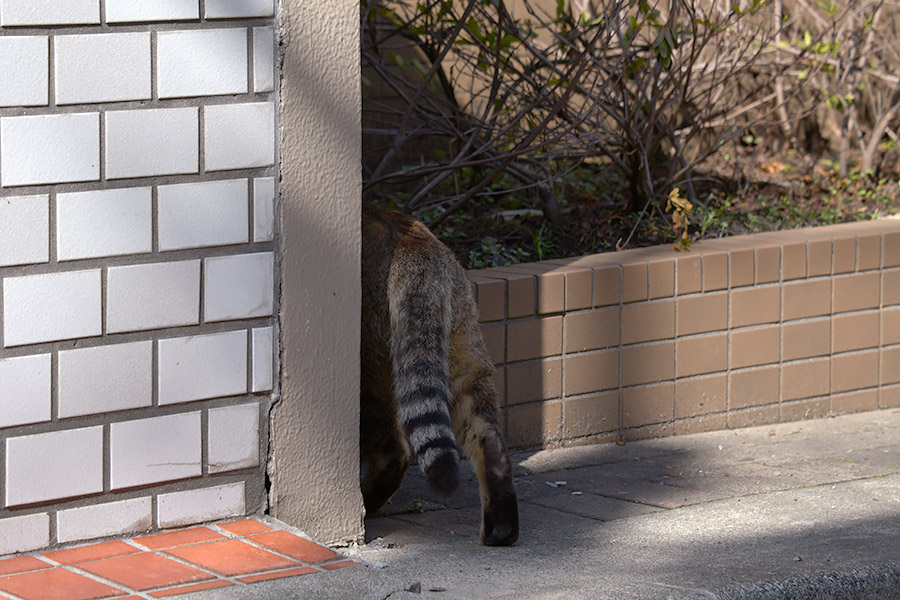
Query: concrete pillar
column 314, row 455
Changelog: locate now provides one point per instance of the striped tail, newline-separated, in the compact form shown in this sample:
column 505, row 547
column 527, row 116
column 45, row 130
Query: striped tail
column 420, row 351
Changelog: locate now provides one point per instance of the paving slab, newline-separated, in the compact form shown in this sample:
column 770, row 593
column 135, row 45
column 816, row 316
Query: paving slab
column 804, row 510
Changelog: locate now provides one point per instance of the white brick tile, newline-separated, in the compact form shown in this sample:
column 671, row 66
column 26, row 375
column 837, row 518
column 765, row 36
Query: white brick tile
column 263, row 358
column 24, row 230
column 227, row 9
column 55, row 306
column 233, row 437
column 101, row 520
column 239, row 136
column 105, row 378
column 103, row 223
column 263, row 59
column 143, row 143
column 239, row 287
column 23, row 70
column 24, row 390
column 49, row 12
column 24, row 533
column 198, row 506
column 204, row 62
column 154, row 450
column 102, row 67
column 152, row 296
column 129, row 11
column 49, row 149
column 55, row 465
column 202, row 366
column 210, row 213
column 263, row 209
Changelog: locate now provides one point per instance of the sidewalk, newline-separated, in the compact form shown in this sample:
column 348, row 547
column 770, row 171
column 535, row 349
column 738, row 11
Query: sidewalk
column 679, row 517
column 713, row 515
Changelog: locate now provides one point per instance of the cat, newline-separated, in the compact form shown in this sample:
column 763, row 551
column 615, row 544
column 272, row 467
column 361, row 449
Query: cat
column 427, row 386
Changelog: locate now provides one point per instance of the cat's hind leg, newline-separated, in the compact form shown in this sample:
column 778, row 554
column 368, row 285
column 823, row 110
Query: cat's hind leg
column 475, row 421
column 384, row 455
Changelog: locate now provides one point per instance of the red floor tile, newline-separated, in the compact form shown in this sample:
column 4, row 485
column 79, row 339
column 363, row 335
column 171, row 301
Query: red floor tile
column 339, row 565
column 191, row 588
column 183, row 537
column 144, row 571
column 245, row 527
column 277, row 575
column 56, row 584
column 70, row 556
column 294, row 546
column 231, row 557
column 20, row 564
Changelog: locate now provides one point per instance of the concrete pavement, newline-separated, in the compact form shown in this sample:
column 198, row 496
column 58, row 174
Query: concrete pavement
column 808, row 509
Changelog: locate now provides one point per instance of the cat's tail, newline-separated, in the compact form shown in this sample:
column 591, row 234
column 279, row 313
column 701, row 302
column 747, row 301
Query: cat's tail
column 419, row 300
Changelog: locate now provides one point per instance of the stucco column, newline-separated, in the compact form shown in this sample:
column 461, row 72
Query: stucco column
column 314, row 459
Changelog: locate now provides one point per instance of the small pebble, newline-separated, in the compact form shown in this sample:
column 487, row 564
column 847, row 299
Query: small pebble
column 380, row 565
column 415, row 588
column 576, row 493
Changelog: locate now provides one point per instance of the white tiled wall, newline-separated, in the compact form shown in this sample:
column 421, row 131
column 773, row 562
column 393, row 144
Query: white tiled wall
column 138, row 266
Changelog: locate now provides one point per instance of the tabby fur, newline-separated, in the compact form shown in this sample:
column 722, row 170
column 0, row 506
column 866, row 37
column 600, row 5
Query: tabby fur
column 427, row 379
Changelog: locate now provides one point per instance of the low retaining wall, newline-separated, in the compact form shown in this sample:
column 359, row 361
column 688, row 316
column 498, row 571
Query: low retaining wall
column 743, row 331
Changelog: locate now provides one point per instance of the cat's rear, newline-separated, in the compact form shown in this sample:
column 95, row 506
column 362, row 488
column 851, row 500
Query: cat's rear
column 426, row 375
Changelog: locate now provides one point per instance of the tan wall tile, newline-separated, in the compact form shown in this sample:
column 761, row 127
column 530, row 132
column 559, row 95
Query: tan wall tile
column 700, row 314
column 793, row 261
column 768, row 264
column 753, row 387
column 593, row 372
column 662, row 279
column 804, row 409
column 645, row 322
column 491, row 296
column 579, row 289
column 500, row 385
column 806, row 299
column 592, row 330
column 741, row 268
column 855, row 332
column 699, row 355
column 634, row 282
column 819, row 257
column 551, row 293
column 701, row 424
column 700, row 395
column 890, row 287
column 755, row 306
column 522, row 291
column 533, row 338
column 854, row 371
column 590, row 415
column 495, row 340
column 534, row 381
column 806, row 339
column 715, row 271
column 890, row 365
column 806, row 379
column 752, row 347
column 648, row 405
column 890, row 256
column 533, row 425
column 890, row 397
column 606, row 285
column 868, row 252
column 890, row 326
column 648, row 364
column 688, row 275
column 854, row 402
column 762, row 415
column 844, row 255
column 856, row 292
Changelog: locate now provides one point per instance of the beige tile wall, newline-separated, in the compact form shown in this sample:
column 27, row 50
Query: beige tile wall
column 758, row 329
